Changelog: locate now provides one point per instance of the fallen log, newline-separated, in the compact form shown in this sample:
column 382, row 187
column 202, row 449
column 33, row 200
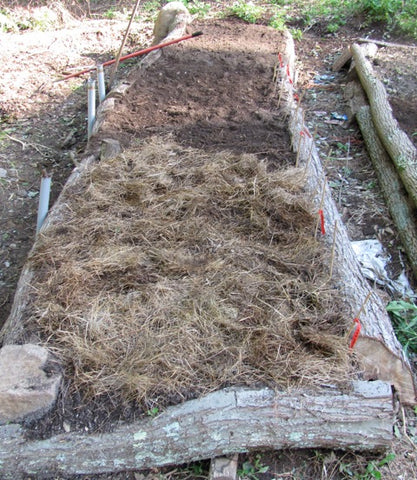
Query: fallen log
column 369, row 50
column 377, row 349
column 222, row 423
column 396, row 197
column 396, row 142
column 382, row 43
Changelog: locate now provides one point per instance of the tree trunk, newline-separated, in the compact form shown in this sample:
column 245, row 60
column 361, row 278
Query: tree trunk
column 222, row 423
column 378, row 350
column 396, row 197
column 396, row 142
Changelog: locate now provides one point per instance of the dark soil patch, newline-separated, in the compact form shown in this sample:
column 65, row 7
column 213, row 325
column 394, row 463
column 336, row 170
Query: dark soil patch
column 211, row 92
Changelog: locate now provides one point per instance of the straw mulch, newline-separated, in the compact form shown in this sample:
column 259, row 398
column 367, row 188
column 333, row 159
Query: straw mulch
column 176, row 272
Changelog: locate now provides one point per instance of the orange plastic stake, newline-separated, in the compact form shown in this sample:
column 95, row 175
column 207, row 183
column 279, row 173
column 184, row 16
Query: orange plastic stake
column 321, row 214
column 355, row 333
column 289, row 74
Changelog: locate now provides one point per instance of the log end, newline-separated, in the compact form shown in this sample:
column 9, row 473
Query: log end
column 378, row 362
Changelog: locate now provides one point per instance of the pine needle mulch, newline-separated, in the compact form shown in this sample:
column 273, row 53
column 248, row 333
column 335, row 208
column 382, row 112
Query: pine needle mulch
column 175, row 272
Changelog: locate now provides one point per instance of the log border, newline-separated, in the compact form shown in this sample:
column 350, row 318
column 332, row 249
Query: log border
column 228, row 421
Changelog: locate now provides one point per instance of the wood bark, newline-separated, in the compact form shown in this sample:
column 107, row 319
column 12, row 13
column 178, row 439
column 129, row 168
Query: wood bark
column 380, row 354
column 396, row 142
column 222, row 423
column 396, row 198
column 369, row 50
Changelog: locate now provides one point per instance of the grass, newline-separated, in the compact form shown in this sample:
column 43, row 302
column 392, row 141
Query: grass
column 248, row 11
column 397, row 15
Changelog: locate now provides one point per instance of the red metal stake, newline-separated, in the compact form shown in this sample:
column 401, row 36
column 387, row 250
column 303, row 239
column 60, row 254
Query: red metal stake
column 132, row 55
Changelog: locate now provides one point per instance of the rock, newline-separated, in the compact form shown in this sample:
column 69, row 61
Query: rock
column 27, row 389
column 172, row 16
column 3, row 173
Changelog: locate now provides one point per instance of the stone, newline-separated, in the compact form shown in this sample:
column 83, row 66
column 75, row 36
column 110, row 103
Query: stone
column 28, row 388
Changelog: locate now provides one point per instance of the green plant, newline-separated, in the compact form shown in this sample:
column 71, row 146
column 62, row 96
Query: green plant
column 404, row 318
column 196, row 7
column 7, row 24
column 247, row 11
column 151, row 6
column 251, row 469
column 110, row 13
column 153, row 412
column 297, row 34
column 372, row 470
column 277, row 21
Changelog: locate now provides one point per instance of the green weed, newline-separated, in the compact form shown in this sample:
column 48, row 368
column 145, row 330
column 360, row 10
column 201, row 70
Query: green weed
column 297, row 34
column 251, row 470
column 372, row 470
column 277, row 21
column 153, row 412
column 110, row 14
column 247, row 11
column 196, row 7
column 152, row 6
column 404, row 319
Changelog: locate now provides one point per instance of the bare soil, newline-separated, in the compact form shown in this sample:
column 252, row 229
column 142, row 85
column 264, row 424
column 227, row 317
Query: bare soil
column 43, row 127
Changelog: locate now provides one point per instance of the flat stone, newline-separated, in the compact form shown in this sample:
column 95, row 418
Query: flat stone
column 27, row 390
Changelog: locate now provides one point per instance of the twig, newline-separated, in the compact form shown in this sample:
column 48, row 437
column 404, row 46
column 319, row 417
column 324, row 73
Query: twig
column 405, row 429
column 363, row 304
column 385, row 44
column 36, row 146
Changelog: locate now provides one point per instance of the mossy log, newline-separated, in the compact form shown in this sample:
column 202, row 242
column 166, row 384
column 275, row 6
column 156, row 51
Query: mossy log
column 396, row 142
column 396, row 198
column 222, row 423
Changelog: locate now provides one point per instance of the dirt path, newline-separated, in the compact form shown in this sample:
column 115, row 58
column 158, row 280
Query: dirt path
column 43, row 126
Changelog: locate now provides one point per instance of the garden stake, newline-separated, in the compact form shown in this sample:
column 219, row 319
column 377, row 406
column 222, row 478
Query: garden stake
column 320, row 219
column 299, row 103
column 119, row 53
column 289, row 74
column 310, row 153
column 43, row 200
column 321, row 215
column 101, row 83
column 280, row 90
column 364, row 303
column 357, row 324
column 355, row 333
column 299, row 148
column 91, row 106
column 333, row 250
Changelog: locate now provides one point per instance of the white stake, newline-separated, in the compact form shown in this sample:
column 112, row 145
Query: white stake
column 91, row 106
column 101, row 83
column 43, row 200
